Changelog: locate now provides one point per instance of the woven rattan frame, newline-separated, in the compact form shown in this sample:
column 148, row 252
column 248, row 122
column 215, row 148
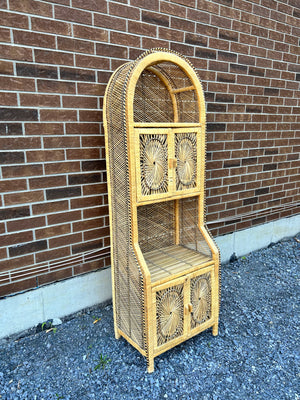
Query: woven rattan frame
column 165, row 264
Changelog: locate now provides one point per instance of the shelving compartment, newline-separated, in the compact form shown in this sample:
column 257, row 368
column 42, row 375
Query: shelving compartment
column 170, row 239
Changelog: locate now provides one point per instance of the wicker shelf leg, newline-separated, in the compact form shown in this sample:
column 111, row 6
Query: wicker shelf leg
column 215, row 329
column 150, row 365
column 117, row 335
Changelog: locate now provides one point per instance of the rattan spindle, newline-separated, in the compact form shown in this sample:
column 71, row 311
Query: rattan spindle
column 165, row 264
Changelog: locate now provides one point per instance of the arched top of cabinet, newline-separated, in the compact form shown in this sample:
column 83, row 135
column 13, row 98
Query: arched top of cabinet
column 162, row 87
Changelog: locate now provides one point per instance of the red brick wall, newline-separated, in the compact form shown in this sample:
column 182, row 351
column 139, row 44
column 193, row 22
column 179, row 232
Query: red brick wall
column 56, row 61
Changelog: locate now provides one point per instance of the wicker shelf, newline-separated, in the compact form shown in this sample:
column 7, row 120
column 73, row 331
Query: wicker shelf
column 165, row 264
column 173, row 261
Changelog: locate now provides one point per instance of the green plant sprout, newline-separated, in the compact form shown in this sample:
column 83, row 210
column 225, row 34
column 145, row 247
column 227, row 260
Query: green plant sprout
column 103, row 361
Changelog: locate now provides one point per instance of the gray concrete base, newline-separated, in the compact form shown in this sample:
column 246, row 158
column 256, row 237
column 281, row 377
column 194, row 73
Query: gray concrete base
column 23, row 311
column 257, row 237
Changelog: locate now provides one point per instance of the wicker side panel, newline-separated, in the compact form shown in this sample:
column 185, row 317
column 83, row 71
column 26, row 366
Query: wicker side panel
column 127, row 274
column 152, row 101
column 189, row 234
column 156, row 225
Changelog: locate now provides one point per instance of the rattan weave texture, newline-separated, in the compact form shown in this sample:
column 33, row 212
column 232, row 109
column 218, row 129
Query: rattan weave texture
column 165, row 265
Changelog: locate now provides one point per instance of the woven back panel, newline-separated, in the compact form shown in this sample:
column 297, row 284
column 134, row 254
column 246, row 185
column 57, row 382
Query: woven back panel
column 152, row 101
column 128, row 277
column 189, row 234
column 169, row 314
column 156, row 225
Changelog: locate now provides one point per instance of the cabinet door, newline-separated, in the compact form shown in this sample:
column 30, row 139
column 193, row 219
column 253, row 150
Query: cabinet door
column 201, row 300
column 169, row 301
column 186, row 156
column 152, row 166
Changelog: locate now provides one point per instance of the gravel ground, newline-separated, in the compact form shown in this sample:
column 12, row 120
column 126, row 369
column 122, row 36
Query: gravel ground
column 255, row 355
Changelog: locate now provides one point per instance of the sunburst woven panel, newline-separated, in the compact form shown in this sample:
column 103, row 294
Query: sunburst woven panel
column 186, row 156
column 154, row 164
column 200, row 299
column 169, row 314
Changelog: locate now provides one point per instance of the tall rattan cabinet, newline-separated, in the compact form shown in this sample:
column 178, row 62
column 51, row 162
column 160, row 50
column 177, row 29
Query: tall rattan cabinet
column 165, row 265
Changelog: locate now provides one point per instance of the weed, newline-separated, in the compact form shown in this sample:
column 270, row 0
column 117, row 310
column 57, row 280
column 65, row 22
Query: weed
column 59, row 397
column 103, row 362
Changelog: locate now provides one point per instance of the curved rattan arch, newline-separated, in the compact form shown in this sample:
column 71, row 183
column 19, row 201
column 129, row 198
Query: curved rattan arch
column 154, row 119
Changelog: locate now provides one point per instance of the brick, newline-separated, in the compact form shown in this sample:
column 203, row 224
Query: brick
column 221, row 22
column 23, row 197
column 58, row 218
column 16, row 52
column 8, row 99
column 106, row 50
column 13, row 157
column 76, row 74
column 31, row 7
column 182, row 24
column 125, row 11
column 90, row 115
column 141, row 29
column 62, row 167
column 57, row 230
column 79, row 102
column 109, row 22
column 18, row 114
column 6, row 68
column 73, row 15
column 195, row 39
column 100, row 188
column 39, row 100
column 91, row 201
column 20, row 237
column 24, row 170
column 17, row 286
column 60, row 193
column 50, row 207
column 27, row 248
column 65, row 240
column 170, row 34
column 75, row 45
column 91, row 62
column 45, row 155
column 17, row 84
column 83, row 179
column 36, row 71
column 156, row 18
column 93, row 165
column 12, row 185
column 47, row 86
column 25, row 224
column 90, row 33
column 52, row 254
column 173, row 9
column 14, row 213
column 95, row 212
column 14, row 20
column 125, row 39
column 83, row 129
column 88, row 224
column 47, row 182
column 51, row 26
column 53, row 57
column 92, row 5
column 34, row 39
column 54, row 276
column 208, row 30
column 58, row 115
column 82, row 247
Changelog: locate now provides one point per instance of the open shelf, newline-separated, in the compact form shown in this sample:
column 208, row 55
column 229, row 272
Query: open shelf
column 173, row 260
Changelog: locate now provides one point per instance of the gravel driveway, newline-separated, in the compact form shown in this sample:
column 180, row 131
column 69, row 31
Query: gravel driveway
column 255, row 356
